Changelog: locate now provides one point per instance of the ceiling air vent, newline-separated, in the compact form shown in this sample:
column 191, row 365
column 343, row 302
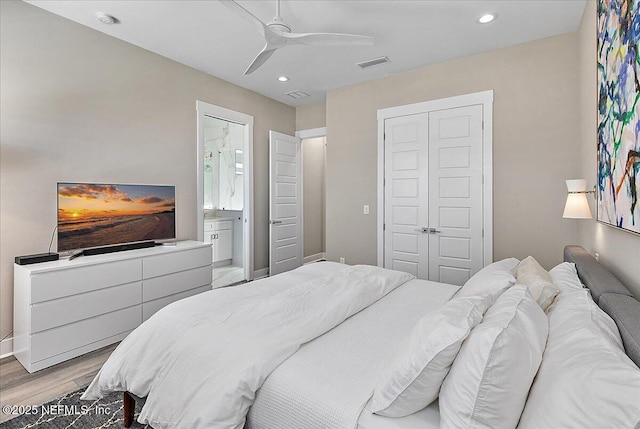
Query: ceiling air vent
column 297, row 94
column 373, row 62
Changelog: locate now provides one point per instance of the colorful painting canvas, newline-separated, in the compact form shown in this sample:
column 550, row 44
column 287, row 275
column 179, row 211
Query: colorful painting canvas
column 619, row 113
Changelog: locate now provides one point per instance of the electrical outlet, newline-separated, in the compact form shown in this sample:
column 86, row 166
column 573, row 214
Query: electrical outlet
column 597, row 256
column 365, row 209
column 342, row 260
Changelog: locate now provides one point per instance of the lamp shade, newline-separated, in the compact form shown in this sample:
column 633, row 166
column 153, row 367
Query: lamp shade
column 577, row 206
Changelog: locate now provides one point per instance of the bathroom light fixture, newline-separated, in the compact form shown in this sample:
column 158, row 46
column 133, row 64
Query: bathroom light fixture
column 577, row 206
column 487, row 18
column 283, row 78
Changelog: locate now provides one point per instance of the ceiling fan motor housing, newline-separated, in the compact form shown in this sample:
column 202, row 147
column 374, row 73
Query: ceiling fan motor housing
column 277, row 24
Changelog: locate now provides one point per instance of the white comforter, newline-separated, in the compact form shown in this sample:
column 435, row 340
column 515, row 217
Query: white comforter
column 327, row 383
column 200, row 361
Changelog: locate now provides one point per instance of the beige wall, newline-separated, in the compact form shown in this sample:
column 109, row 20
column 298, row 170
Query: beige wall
column 311, row 116
column 535, row 143
column 313, row 195
column 619, row 250
column 78, row 105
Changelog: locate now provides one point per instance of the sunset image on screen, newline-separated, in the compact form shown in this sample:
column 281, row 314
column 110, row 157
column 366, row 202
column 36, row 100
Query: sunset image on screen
column 91, row 215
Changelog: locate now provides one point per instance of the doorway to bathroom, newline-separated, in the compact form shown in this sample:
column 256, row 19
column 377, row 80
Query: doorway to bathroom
column 225, row 194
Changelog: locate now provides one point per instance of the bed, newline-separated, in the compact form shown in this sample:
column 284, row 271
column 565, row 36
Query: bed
column 320, row 368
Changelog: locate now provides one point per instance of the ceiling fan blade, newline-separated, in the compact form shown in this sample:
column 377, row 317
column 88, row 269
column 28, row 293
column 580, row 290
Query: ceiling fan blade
column 249, row 17
column 262, row 58
column 327, row 39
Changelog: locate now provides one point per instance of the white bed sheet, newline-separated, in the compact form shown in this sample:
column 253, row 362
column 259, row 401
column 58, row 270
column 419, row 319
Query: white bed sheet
column 328, row 382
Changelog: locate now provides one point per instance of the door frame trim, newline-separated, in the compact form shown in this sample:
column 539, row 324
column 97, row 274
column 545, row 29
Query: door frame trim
column 313, row 133
column 484, row 98
column 206, row 109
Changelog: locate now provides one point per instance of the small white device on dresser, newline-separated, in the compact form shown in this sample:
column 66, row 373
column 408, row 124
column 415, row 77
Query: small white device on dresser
column 219, row 232
column 63, row 309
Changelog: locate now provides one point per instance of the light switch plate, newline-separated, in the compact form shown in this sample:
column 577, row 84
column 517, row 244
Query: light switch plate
column 365, row 209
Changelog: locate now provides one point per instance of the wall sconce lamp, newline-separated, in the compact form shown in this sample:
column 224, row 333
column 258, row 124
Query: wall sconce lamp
column 577, row 206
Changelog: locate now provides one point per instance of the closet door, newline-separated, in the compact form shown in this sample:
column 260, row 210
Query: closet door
column 406, row 246
column 455, row 194
column 433, row 192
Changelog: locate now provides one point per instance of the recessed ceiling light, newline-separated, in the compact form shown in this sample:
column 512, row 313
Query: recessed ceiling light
column 283, row 78
column 106, row 19
column 487, row 18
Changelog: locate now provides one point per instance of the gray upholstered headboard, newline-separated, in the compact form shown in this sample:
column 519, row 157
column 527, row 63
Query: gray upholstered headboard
column 611, row 296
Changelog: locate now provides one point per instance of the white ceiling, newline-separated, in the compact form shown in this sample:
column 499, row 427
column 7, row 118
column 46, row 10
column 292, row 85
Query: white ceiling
column 209, row 37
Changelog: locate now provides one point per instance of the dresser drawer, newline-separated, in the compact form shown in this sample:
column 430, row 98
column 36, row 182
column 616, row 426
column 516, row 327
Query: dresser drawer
column 72, row 281
column 58, row 312
column 160, row 265
column 173, row 283
column 150, row 308
column 59, row 340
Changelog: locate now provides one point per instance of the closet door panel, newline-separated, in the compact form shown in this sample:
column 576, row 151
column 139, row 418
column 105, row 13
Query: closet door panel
column 455, row 194
column 406, row 187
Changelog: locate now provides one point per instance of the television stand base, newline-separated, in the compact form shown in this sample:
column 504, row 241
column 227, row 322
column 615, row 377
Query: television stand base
column 112, row 249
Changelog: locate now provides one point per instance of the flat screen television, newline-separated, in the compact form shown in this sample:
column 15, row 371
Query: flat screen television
column 94, row 215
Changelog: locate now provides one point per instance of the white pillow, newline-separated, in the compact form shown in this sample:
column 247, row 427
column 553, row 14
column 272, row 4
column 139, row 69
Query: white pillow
column 585, row 380
column 412, row 380
column 565, row 277
column 489, row 381
column 492, row 280
column 531, row 274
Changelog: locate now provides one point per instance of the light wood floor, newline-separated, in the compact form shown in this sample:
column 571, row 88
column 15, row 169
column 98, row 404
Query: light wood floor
column 18, row 387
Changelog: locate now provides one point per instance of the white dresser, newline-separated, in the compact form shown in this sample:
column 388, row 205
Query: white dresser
column 63, row 309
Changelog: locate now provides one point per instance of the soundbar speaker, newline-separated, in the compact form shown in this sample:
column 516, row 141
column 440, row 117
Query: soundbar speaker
column 36, row 259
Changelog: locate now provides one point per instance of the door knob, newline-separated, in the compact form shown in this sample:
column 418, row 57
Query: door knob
column 426, row 230
column 274, row 222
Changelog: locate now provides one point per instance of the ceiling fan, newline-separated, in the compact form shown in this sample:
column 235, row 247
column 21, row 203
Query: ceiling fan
column 277, row 34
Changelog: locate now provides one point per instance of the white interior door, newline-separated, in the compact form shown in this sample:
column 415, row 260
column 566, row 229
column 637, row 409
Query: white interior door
column 285, row 203
column 433, row 194
column 455, row 194
column 406, row 194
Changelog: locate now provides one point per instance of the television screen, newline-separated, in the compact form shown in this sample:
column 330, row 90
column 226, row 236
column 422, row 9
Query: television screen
column 94, row 215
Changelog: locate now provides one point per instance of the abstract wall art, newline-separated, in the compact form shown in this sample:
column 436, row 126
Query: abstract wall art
column 619, row 113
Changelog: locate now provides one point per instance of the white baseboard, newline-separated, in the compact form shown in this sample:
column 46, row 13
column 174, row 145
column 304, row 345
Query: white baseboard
column 258, row 274
column 313, row 258
column 6, row 347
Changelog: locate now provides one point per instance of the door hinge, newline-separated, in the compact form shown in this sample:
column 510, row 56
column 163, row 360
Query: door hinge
column 483, row 125
column 384, row 226
column 483, row 233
